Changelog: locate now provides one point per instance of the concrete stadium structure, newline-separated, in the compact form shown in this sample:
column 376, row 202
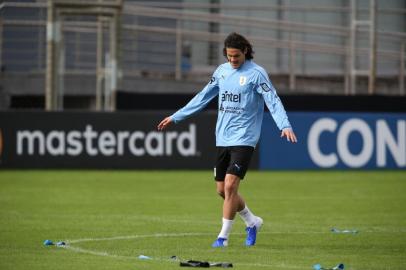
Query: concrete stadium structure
column 339, row 47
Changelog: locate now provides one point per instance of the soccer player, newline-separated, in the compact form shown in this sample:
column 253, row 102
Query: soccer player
column 242, row 88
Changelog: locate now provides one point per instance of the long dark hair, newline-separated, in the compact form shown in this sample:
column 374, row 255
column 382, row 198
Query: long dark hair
column 237, row 41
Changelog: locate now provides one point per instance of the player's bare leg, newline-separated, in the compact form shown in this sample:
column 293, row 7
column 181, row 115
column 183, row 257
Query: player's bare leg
column 228, row 190
column 233, row 203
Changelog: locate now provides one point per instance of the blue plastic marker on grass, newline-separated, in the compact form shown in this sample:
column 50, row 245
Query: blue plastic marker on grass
column 317, row 267
column 60, row 244
column 143, row 257
column 337, row 267
column 335, row 230
column 48, row 243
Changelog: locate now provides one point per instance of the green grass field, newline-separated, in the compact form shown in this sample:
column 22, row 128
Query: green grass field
column 109, row 218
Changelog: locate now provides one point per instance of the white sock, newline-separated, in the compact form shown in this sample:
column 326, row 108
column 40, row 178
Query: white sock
column 249, row 218
column 226, row 228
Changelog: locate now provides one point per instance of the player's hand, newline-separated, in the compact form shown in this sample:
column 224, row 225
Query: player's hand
column 290, row 135
column 164, row 123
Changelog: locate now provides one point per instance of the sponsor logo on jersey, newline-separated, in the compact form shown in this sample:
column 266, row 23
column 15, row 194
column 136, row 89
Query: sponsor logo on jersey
column 228, row 96
column 265, row 87
column 243, row 80
column 212, row 80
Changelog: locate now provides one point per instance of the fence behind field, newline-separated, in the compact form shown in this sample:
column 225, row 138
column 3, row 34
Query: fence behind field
column 355, row 44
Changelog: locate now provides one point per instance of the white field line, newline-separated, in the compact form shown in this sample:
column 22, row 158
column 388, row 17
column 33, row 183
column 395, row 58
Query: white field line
column 156, row 235
column 105, row 254
column 116, row 238
column 97, row 253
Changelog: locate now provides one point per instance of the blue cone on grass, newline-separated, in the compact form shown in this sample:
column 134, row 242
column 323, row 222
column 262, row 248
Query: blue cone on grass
column 48, row 243
column 337, row 267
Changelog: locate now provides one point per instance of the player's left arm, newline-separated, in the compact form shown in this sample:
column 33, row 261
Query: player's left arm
column 275, row 106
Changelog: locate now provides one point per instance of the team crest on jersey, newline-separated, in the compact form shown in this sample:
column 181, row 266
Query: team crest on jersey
column 265, row 87
column 243, row 80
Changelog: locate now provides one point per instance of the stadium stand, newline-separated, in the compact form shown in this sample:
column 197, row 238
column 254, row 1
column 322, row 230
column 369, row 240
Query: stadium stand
column 349, row 47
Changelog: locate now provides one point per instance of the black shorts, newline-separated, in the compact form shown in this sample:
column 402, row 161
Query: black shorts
column 232, row 160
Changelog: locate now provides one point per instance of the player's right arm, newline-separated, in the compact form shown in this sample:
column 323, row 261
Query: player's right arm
column 164, row 123
column 196, row 104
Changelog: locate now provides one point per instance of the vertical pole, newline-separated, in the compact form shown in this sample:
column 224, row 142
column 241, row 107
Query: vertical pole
column 1, row 44
column 113, row 61
column 178, row 54
column 292, row 65
column 57, row 61
column 39, row 47
column 50, row 79
column 372, row 45
column 353, row 57
column 118, row 72
column 402, row 70
column 279, row 33
column 107, row 81
column 347, row 68
column 61, row 67
column 99, row 64
column 77, row 49
column 347, row 64
column 214, row 28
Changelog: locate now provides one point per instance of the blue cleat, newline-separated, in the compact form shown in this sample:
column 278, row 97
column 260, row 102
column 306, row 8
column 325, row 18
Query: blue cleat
column 252, row 232
column 220, row 242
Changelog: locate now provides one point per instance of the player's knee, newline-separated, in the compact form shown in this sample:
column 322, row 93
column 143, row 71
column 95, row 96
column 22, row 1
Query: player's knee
column 220, row 189
column 221, row 193
column 230, row 189
column 231, row 186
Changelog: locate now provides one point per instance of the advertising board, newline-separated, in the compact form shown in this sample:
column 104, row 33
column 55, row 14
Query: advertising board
column 336, row 141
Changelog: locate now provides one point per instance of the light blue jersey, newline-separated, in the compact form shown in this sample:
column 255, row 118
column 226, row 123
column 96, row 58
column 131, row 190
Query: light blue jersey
column 241, row 95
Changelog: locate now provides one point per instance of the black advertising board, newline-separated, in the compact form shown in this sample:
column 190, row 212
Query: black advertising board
column 119, row 140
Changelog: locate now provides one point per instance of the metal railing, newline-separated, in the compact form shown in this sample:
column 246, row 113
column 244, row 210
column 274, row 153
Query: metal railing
column 171, row 40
